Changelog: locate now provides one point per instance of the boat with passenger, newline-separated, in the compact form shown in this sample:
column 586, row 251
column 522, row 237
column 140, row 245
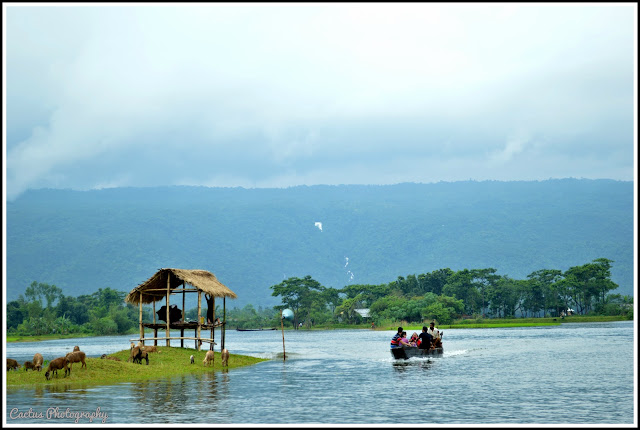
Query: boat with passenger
column 407, row 352
column 401, row 348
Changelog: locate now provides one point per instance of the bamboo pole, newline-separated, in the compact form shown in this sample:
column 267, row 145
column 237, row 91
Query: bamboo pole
column 185, row 337
column 155, row 330
column 224, row 320
column 284, row 356
column 213, row 322
column 183, row 312
column 177, row 290
column 199, row 320
column 168, row 319
column 141, row 326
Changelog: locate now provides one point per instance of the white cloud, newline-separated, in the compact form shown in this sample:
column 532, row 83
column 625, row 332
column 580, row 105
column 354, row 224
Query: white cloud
column 280, row 95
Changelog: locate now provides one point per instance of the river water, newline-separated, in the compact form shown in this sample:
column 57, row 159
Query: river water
column 572, row 374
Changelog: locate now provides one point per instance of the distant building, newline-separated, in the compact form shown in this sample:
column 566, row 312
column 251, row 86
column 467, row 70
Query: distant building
column 364, row 313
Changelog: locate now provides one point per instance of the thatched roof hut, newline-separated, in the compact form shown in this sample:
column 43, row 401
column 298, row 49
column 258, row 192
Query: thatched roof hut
column 155, row 288
column 166, row 282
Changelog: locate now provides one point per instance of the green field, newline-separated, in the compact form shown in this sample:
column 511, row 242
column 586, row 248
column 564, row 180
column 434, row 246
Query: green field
column 505, row 322
column 167, row 363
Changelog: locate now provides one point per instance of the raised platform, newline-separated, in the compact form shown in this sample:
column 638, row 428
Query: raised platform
column 181, row 325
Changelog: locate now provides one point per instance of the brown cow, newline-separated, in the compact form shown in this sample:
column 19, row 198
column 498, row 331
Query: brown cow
column 137, row 355
column 12, row 364
column 37, row 361
column 55, row 365
column 76, row 357
column 209, row 358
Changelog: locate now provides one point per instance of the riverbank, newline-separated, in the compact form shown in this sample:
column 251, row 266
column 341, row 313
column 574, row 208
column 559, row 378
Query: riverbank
column 40, row 338
column 167, row 363
column 518, row 322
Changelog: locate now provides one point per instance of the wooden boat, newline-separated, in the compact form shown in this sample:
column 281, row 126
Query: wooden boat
column 407, row 352
column 253, row 329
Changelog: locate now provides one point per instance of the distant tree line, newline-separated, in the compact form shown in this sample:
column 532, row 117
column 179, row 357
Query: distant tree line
column 44, row 309
column 442, row 295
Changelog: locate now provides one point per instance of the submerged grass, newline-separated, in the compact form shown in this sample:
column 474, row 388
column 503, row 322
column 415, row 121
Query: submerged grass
column 166, row 363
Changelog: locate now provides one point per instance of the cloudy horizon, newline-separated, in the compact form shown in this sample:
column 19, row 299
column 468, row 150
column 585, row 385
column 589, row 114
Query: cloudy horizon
column 279, row 95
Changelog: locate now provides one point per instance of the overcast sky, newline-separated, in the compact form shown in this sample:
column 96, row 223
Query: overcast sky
column 280, row 95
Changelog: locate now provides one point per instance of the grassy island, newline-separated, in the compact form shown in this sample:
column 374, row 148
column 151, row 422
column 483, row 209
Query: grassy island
column 166, row 363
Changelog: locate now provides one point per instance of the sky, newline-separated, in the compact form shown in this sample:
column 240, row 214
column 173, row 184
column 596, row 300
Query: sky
column 279, row 95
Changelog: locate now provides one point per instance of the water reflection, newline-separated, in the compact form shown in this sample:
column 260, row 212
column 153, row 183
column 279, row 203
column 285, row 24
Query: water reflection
column 403, row 366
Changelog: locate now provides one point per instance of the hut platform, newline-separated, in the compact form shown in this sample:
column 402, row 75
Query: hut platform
column 181, row 325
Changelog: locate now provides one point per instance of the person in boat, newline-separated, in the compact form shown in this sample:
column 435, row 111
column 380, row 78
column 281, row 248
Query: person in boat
column 395, row 341
column 403, row 340
column 425, row 338
column 435, row 334
column 414, row 339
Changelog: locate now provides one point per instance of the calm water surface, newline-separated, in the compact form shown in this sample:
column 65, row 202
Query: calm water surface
column 569, row 374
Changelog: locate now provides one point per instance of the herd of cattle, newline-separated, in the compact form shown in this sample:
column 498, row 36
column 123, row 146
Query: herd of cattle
column 137, row 354
column 66, row 363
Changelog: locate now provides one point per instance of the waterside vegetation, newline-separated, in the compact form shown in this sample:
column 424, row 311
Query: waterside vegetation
column 460, row 298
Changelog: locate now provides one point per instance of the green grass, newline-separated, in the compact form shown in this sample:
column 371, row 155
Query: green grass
column 38, row 338
column 167, row 363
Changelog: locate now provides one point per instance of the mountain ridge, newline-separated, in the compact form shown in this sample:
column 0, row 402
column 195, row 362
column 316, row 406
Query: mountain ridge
column 254, row 238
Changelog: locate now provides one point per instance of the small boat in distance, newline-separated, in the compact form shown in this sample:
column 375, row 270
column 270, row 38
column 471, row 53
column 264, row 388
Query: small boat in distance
column 254, row 329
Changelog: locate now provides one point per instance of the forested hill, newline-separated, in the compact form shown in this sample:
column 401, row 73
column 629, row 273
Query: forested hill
column 254, row 238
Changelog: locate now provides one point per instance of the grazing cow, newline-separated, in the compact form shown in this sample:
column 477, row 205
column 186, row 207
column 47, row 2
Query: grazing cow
column 137, row 355
column 192, row 359
column 225, row 357
column 76, row 357
column 37, row 361
column 103, row 356
column 209, row 358
column 55, row 365
column 28, row 365
column 12, row 364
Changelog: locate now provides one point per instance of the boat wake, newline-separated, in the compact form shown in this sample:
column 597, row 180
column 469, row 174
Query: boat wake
column 454, row 353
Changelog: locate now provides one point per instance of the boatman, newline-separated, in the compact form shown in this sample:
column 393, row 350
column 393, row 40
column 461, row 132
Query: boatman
column 395, row 341
column 425, row 338
column 435, row 333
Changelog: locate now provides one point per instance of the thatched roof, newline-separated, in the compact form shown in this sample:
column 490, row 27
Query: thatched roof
column 200, row 279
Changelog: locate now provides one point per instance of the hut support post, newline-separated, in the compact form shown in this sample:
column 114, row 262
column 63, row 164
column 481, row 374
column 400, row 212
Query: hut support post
column 213, row 323
column 224, row 320
column 155, row 329
column 141, row 326
column 168, row 320
column 182, row 330
column 199, row 320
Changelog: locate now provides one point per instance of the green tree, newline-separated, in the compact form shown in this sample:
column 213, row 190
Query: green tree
column 462, row 287
column 15, row 314
column 38, row 291
column 435, row 281
column 484, row 279
column 298, row 295
column 543, row 291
